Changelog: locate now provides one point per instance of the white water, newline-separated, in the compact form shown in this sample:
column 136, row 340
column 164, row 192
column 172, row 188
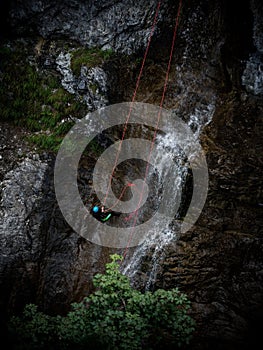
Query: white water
column 140, row 271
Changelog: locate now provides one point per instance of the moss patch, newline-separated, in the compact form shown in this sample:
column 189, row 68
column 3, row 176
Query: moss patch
column 46, row 142
column 35, row 99
column 88, row 57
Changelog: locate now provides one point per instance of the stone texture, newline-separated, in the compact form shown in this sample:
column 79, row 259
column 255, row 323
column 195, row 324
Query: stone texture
column 123, row 26
column 219, row 262
column 90, row 85
column 41, row 259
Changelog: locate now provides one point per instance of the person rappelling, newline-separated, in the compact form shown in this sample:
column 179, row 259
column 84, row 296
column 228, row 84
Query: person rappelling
column 102, row 214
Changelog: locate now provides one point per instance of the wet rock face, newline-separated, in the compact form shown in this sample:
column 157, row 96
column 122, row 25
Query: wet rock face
column 91, row 85
column 22, row 215
column 252, row 77
column 25, row 206
column 218, row 68
column 218, row 263
column 37, row 247
column 120, row 25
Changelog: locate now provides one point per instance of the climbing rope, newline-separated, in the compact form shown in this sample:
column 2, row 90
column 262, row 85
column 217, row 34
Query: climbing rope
column 157, row 124
column 135, row 213
column 133, row 98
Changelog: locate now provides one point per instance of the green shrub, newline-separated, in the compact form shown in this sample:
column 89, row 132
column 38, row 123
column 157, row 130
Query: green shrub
column 115, row 316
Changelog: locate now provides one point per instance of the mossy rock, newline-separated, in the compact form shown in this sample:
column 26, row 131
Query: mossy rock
column 88, row 57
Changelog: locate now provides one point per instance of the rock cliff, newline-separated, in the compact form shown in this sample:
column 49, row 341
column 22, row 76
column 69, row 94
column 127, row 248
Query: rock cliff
column 217, row 62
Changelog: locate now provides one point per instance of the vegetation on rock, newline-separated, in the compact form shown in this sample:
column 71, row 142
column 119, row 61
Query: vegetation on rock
column 115, row 316
column 35, row 99
column 88, row 57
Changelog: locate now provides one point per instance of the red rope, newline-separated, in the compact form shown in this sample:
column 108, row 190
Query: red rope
column 133, row 97
column 157, row 124
column 121, row 195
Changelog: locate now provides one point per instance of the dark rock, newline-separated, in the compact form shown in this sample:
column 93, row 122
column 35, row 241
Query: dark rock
column 216, row 86
column 123, row 26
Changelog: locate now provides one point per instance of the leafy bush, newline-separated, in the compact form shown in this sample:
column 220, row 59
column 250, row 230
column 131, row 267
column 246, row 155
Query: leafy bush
column 115, row 316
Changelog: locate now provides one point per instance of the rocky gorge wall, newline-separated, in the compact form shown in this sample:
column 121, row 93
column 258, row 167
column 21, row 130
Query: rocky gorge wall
column 218, row 60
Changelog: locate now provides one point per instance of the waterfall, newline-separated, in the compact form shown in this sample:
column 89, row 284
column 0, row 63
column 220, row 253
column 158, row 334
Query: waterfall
column 143, row 265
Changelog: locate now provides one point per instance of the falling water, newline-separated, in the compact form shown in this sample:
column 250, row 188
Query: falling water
column 144, row 264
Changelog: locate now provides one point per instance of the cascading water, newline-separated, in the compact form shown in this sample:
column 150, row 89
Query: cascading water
column 144, row 265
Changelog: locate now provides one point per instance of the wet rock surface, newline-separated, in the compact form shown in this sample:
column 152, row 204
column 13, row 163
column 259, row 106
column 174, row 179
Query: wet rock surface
column 42, row 260
column 90, row 85
column 218, row 68
column 218, row 262
column 120, row 25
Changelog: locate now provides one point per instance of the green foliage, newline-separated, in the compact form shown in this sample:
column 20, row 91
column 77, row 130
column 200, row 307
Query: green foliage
column 35, row 100
column 115, row 316
column 36, row 330
column 88, row 57
column 46, row 142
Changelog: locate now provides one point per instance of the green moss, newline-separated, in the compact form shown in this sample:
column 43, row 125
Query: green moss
column 45, row 142
column 88, row 57
column 35, row 100
column 93, row 88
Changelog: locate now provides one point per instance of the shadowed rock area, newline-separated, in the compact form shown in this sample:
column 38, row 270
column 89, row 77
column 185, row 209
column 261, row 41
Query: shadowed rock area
column 216, row 73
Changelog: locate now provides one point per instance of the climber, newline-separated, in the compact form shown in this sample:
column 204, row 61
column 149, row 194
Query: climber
column 103, row 215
